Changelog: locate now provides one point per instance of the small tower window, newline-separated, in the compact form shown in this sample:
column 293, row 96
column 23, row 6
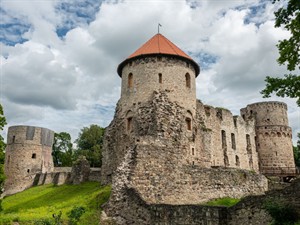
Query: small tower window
column 33, row 156
column 187, row 80
column 8, row 159
column 223, row 136
column 193, row 151
column 160, row 78
column 188, row 123
column 233, row 141
column 28, row 170
column 237, row 161
column 129, row 123
column 13, row 139
column 130, row 80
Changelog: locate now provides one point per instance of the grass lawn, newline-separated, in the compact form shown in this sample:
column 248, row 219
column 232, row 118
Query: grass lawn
column 42, row 202
column 226, row 201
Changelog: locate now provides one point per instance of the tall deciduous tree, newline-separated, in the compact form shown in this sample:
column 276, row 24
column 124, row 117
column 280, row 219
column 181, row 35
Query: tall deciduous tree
column 2, row 156
column 62, row 149
column 289, row 50
column 89, row 143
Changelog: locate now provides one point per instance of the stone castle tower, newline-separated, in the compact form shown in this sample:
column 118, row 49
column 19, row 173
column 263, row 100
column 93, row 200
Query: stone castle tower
column 273, row 136
column 27, row 153
column 166, row 147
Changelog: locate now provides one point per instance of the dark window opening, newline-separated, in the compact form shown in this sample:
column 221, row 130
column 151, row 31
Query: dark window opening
column 188, row 80
column 28, row 170
column 188, row 123
column 160, row 78
column 8, row 159
column 248, row 139
column 13, row 139
column 223, row 133
column 33, row 156
column 129, row 123
column 130, row 80
column 243, row 117
column 233, row 141
column 193, row 151
column 237, row 161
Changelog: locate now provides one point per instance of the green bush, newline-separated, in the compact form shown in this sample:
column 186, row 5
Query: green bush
column 281, row 213
column 75, row 214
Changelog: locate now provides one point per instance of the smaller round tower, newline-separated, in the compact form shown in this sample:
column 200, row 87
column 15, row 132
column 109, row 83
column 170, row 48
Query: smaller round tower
column 273, row 137
column 27, row 153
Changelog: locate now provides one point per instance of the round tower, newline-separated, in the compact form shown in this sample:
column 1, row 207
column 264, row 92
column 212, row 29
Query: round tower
column 158, row 65
column 27, row 153
column 273, row 137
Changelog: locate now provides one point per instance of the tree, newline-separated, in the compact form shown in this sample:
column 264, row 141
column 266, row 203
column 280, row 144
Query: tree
column 297, row 152
column 289, row 51
column 89, row 144
column 62, row 149
column 2, row 155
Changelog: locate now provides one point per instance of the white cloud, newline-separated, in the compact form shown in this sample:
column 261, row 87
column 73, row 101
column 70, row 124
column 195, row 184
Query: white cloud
column 65, row 83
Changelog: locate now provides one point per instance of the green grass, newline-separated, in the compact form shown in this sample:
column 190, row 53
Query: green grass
column 226, row 201
column 42, row 202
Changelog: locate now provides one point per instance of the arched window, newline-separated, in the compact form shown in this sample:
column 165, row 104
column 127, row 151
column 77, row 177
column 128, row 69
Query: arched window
column 187, row 80
column 188, row 123
column 160, row 78
column 129, row 123
column 130, row 80
column 237, row 161
column 233, row 141
column 33, row 156
column 223, row 136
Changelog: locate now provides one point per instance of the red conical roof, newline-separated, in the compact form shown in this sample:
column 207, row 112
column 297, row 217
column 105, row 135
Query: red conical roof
column 159, row 45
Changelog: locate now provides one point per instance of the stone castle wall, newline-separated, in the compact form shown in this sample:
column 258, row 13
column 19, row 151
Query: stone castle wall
column 27, row 153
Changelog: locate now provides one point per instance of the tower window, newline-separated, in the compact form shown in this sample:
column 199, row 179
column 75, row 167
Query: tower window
column 13, row 139
column 187, row 80
column 223, row 135
column 129, row 123
column 237, row 161
column 33, row 156
column 160, row 78
column 188, row 123
column 248, row 139
column 28, row 170
column 233, row 141
column 193, row 151
column 130, row 80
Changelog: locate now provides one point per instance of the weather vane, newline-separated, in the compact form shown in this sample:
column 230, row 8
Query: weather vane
column 159, row 25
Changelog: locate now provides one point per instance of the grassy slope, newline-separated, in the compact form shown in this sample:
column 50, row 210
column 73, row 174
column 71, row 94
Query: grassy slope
column 43, row 201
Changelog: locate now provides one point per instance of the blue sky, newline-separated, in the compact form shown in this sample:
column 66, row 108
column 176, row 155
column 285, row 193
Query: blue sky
column 59, row 58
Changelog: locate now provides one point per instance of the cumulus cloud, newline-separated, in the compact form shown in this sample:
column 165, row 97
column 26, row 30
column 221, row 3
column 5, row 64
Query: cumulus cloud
column 59, row 58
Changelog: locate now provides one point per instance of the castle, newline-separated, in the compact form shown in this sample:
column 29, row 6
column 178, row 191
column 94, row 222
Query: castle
column 166, row 147
column 165, row 152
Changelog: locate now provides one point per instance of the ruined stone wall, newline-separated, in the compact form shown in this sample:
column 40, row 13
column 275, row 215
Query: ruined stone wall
column 230, row 141
column 273, row 136
column 164, row 168
column 27, row 153
column 153, row 73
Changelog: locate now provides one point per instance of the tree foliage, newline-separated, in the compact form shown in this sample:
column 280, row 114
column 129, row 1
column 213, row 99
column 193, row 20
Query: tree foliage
column 2, row 155
column 62, row 149
column 288, row 17
column 297, row 152
column 89, row 144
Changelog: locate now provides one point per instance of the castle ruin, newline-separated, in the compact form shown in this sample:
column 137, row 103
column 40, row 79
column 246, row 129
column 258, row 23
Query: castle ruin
column 166, row 147
column 28, row 152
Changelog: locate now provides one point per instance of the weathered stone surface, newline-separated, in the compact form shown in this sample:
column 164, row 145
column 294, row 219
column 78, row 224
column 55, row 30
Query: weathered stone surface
column 28, row 152
column 80, row 171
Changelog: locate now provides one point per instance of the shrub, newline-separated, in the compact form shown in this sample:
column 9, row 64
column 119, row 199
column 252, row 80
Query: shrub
column 281, row 213
column 75, row 214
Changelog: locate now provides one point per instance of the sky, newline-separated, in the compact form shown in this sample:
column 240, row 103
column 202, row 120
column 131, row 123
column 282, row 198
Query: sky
column 59, row 57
